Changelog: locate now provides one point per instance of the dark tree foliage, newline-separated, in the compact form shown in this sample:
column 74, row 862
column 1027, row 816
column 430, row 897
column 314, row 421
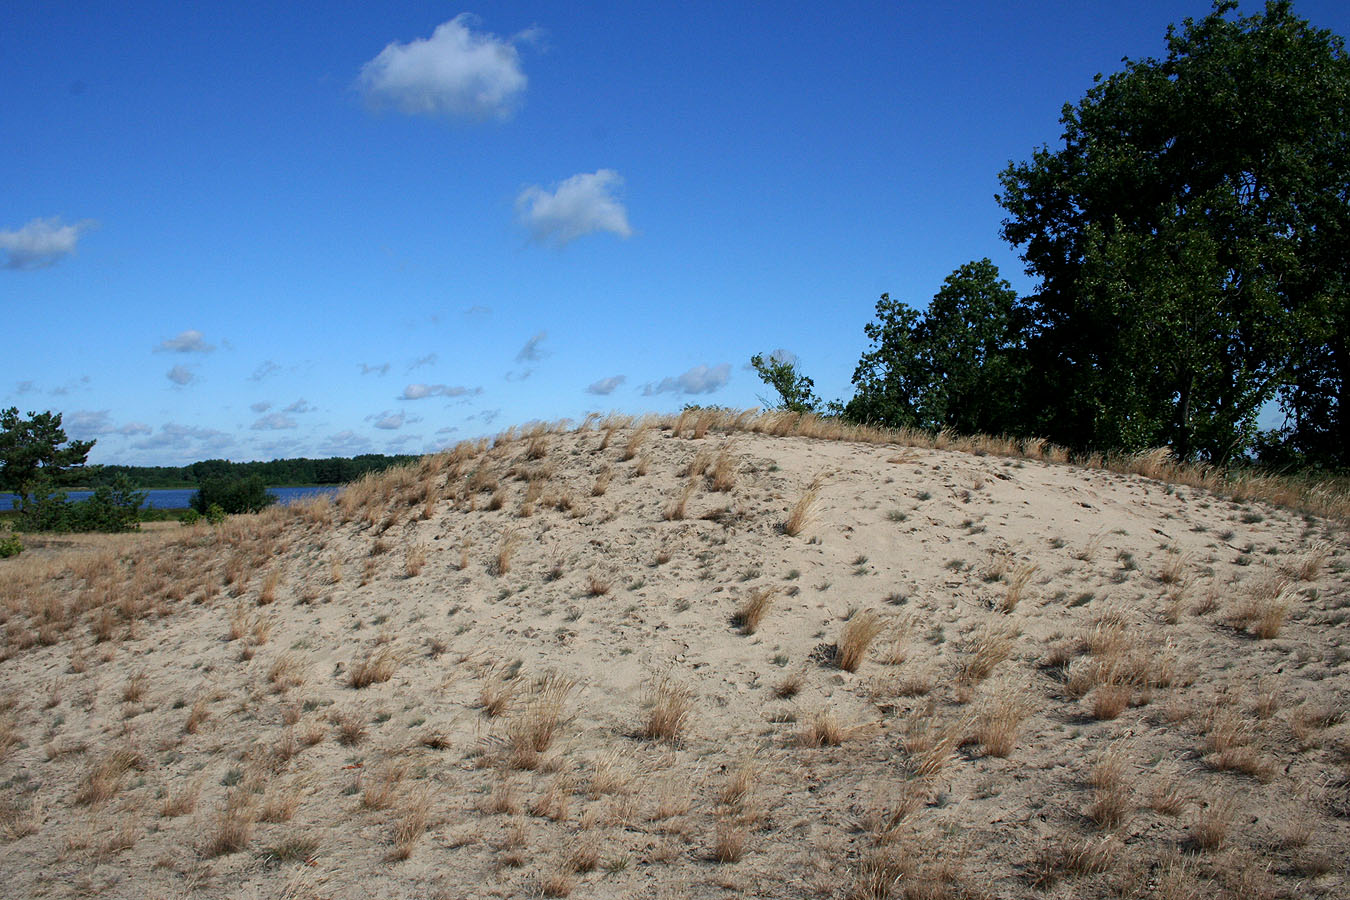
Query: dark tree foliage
column 796, row 392
column 233, row 495
column 1192, row 241
column 36, row 448
column 277, row 472
column 958, row 365
column 114, row 507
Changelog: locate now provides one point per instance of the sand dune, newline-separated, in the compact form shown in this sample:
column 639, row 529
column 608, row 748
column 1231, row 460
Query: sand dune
column 628, row 661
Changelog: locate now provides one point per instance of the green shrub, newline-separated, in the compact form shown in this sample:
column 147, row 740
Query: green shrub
column 10, row 546
column 232, row 495
column 190, row 517
column 214, row 514
column 114, row 507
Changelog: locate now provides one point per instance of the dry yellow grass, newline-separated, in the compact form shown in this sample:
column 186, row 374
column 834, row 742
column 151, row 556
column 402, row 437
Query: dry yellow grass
column 856, row 638
column 801, row 511
column 753, row 609
column 668, row 703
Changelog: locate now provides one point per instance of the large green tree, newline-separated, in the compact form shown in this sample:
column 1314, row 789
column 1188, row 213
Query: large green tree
column 35, row 450
column 1192, row 241
column 958, row 365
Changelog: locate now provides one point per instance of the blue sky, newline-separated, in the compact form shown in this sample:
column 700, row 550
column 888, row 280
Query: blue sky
column 259, row 230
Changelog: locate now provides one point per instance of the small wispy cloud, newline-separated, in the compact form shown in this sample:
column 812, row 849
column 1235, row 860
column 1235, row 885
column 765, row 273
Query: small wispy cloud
column 274, row 422
column 190, row 341
column 580, row 205
column 455, row 73
column 531, row 352
column 428, row 360
column 189, row 438
column 423, row 391
column 265, row 368
column 41, row 243
column 345, row 443
column 606, row 386
column 300, row 406
column 88, row 423
column 698, row 380
column 380, row 369
column 391, row 421
column 180, row 375
column 261, row 406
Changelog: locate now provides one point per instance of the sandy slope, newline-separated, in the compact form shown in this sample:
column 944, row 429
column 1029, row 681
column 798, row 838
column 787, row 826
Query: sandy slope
column 1224, row 768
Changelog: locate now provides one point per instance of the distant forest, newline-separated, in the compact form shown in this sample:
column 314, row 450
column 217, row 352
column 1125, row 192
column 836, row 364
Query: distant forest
column 278, row 472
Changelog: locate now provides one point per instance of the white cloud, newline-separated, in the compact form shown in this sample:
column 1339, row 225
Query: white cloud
column 606, row 386
column 381, row 369
column 531, row 352
column 581, row 205
column 180, row 375
column 41, row 243
column 200, row 441
column 273, row 422
column 390, row 421
column 261, row 406
column 92, row 423
column 300, row 406
column 345, row 443
column 698, row 380
column 422, row 391
column 428, row 360
column 266, row 368
column 25, row 387
column 190, row 341
column 457, row 72
column 87, row 423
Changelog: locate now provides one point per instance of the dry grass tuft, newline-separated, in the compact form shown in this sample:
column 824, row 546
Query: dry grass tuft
column 377, row 667
column 1111, row 803
column 677, row 509
column 1212, row 823
column 1070, row 857
column 753, row 609
column 723, row 471
column 410, row 824
column 669, row 703
column 822, row 730
column 1263, row 611
column 532, row 730
column 233, row 827
column 1017, row 585
column 635, row 441
column 729, row 840
column 414, row 559
column 997, row 725
column 801, row 511
column 1310, row 564
column 182, row 801
column 983, row 651
column 855, row 639
column 501, row 563
column 101, row 783
column 267, row 594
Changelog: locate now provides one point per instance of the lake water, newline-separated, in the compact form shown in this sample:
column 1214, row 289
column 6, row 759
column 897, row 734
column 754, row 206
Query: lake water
column 177, row 498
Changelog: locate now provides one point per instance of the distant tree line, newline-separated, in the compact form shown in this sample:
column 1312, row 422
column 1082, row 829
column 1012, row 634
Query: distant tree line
column 299, row 471
column 39, row 465
column 1191, row 242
